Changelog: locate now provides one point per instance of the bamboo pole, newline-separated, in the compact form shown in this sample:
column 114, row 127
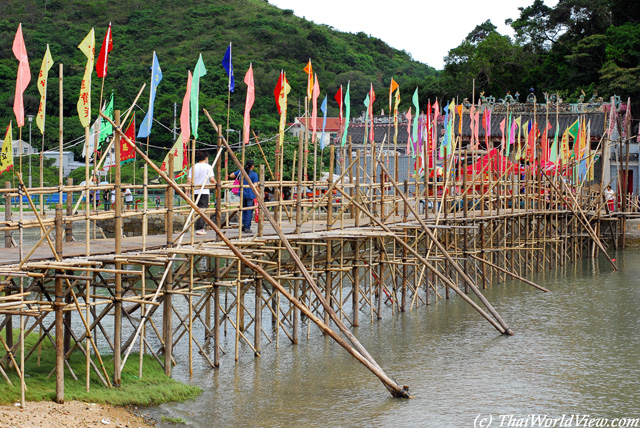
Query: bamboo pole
column 359, row 352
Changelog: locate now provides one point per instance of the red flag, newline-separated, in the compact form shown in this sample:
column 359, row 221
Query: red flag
column 531, row 144
column 24, row 75
column 185, row 129
column 544, row 156
column 338, row 99
column 127, row 152
column 103, row 58
column 278, row 90
column 251, row 96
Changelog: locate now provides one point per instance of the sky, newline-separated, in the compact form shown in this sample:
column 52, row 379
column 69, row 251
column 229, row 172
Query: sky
column 426, row 29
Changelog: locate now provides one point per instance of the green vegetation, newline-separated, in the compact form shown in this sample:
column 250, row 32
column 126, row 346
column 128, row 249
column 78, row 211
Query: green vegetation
column 153, row 388
column 578, row 45
column 173, row 420
column 270, row 38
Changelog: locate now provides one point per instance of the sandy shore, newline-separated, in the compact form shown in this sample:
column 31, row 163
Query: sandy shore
column 45, row 414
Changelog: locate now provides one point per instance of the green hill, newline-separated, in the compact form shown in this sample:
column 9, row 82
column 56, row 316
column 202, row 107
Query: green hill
column 271, row 38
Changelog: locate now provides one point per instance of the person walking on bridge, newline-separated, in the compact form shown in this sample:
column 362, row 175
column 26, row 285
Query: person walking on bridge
column 201, row 173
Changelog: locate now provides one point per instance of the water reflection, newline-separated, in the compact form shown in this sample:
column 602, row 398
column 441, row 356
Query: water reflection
column 575, row 351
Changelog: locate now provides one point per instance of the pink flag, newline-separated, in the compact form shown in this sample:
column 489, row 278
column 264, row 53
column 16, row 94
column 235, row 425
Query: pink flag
column 185, row 129
column 472, row 111
column 24, row 75
column 372, row 98
column 251, row 96
column 314, row 112
column 476, row 121
column 502, row 124
column 408, row 116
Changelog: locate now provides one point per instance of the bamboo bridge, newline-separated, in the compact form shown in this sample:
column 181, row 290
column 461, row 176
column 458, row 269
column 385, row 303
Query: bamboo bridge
column 335, row 255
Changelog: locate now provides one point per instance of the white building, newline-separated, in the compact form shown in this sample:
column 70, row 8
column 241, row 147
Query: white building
column 26, row 148
column 68, row 162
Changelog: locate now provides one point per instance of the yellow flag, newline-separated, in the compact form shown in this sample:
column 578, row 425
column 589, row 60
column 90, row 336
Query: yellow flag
column 283, row 108
column 84, row 102
column 564, row 147
column 47, row 63
column 6, row 155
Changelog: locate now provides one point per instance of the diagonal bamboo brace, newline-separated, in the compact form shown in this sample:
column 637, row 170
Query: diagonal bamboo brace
column 390, row 384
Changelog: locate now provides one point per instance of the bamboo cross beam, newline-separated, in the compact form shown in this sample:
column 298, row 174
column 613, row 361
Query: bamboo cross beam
column 583, row 219
column 446, row 254
column 508, row 272
column 424, row 261
column 390, row 384
column 58, row 258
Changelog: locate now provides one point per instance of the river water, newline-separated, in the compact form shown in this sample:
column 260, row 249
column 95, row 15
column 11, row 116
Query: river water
column 575, row 351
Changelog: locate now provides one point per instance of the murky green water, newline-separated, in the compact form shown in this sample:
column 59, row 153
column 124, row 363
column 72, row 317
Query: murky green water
column 576, row 351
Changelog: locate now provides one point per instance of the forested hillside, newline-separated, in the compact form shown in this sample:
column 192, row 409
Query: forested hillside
column 270, row 38
column 578, row 45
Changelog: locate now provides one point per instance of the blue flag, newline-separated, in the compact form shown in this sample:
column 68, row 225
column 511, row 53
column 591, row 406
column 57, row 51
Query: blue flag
column 323, row 108
column 156, row 77
column 228, row 67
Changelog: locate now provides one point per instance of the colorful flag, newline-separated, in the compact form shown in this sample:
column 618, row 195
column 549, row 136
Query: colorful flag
column 544, row 142
column 309, row 70
column 179, row 156
column 395, row 117
column 502, row 140
column 185, row 131
column 416, row 103
column 347, row 114
column 338, row 99
column 84, row 101
column 409, row 145
column 89, row 146
column 574, row 128
column 47, row 63
column 564, row 147
column 372, row 98
column 24, row 75
column 156, row 77
column 392, row 87
column 314, row 110
column 323, row 108
column 228, row 67
column 6, row 156
column 283, row 89
column 106, row 129
column 127, row 152
column 459, row 110
column 198, row 72
column 251, row 96
column 553, row 152
column 103, row 58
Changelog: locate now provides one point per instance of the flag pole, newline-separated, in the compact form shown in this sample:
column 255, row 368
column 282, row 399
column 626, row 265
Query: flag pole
column 229, row 97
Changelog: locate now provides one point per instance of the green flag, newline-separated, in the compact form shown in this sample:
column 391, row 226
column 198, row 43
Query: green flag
column 347, row 113
column 415, row 120
column 106, row 128
column 198, row 72
column 573, row 129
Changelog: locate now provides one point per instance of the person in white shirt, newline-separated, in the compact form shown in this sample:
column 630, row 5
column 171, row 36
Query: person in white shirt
column 201, row 173
column 610, row 197
column 128, row 198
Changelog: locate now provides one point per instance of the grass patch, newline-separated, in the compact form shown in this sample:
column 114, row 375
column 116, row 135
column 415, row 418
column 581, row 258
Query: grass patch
column 173, row 420
column 153, row 388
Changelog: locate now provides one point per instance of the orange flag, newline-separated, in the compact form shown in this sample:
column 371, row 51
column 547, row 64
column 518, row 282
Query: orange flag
column 24, row 75
column 309, row 70
column 392, row 87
